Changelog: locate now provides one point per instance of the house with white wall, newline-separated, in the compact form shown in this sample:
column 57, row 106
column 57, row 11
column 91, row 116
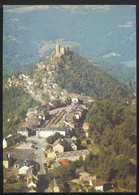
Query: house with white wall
column 46, row 132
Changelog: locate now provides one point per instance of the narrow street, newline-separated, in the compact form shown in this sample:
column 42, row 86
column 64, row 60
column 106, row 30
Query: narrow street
column 40, row 144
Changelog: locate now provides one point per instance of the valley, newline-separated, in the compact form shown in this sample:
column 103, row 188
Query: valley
column 69, row 99
column 70, row 131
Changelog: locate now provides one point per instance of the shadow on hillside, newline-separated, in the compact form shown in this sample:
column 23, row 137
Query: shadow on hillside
column 108, row 186
column 42, row 183
column 81, row 147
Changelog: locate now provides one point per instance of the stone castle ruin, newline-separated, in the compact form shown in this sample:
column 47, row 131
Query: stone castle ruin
column 61, row 50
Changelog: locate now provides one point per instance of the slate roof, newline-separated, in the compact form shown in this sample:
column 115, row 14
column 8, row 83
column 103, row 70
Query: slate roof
column 5, row 157
column 19, row 162
column 15, row 137
column 65, row 142
column 51, row 129
column 72, row 153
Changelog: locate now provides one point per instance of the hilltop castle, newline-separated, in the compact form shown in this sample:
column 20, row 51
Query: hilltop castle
column 61, row 50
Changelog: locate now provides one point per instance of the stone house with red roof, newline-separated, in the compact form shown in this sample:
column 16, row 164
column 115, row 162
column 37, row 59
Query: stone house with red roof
column 98, row 184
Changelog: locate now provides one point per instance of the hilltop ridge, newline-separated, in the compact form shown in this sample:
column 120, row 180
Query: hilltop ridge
column 64, row 73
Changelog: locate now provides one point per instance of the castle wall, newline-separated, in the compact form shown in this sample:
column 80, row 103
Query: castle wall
column 61, row 50
column 57, row 49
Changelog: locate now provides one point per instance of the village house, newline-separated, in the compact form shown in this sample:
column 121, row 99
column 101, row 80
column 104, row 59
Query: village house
column 24, row 131
column 46, row 132
column 84, row 176
column 85, row 129
column 77, row 115
column 7, row 160
column 70, row 120
column 63, row 145
column 40, row 66
column 11, row 140
column 49, row 149
column 33, row 122
column 31, row 189
column 51, row 156
column 84, row 133
column 32, row 181
column 43, row 111
column 19, row 163
column 78, row 110
column 74, row 99
column 55, row 186
column 98, row 184
column 31, row 111
column 85, row 126
column 72, row 155
column 69, row 124
column 74, row 139
column 64, row 161
column 25, row 170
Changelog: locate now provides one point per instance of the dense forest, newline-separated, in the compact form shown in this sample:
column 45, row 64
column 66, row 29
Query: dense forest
column 113, row 129
column 15, row 105
column 78, row 75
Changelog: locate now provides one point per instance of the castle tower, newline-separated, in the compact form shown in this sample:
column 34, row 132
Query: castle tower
column 57, row 49
column 67, row 49
column 62, row 50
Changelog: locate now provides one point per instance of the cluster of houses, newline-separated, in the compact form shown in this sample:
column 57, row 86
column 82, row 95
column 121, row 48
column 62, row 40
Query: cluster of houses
column 73, row 117
column 64, row 150
column 34, row 119
column 38, row 86
column 12, row 140
column 23, row 168
column 71, row 120
column 92, row 179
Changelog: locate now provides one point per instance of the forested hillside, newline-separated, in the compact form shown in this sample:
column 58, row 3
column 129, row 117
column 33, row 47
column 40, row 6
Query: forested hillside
column 76, row 74
column 15, row 105
column 113, row 129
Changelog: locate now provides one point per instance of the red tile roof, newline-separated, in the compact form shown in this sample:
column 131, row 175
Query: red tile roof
column 97, row 182
column 63, row 161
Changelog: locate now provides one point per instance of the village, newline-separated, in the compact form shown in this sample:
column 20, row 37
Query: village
column 27, row 152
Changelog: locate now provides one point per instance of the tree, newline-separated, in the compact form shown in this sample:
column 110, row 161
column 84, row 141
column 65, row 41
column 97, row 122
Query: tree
column 48, row 146
column 72, row 166
column 80, row 163
column 77, row 131
column 60, row 172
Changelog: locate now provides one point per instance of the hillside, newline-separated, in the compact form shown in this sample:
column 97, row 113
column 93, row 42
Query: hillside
column 112, row 127
column 54, row 80
column 78, row 75
column 15, row 108
column 100, row 33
